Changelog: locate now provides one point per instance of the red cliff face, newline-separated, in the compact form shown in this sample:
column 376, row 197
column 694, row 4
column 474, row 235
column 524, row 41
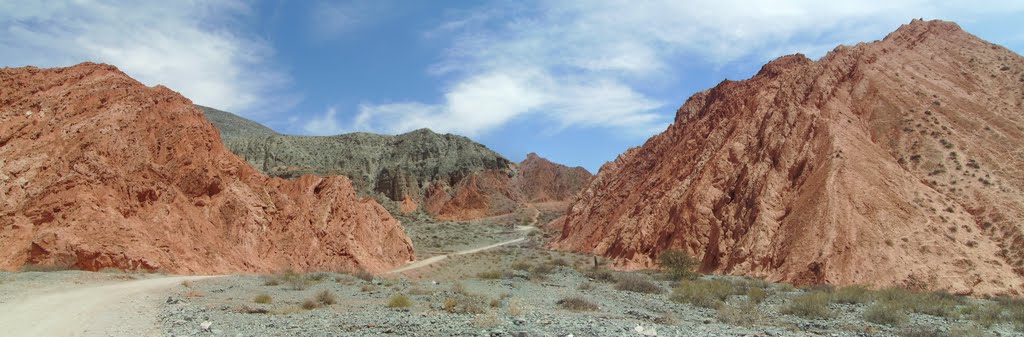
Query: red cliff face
column 896, row 162
column 543, row 181
column 98, row 170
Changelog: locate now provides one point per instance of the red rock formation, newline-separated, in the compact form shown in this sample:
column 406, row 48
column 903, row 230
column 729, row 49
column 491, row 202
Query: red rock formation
column 481, row 194
column 896, row 162
column 542, row 181
column 98, row 170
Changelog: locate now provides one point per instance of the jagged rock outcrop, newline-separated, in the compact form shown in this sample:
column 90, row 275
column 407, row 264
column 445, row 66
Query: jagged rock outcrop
column 447, row 176
column 97, row 170
column 896, row 162
column 541, row 180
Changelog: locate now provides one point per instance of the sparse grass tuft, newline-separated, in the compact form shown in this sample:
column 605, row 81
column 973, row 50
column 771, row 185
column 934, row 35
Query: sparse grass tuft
column 812, row 305
column 263, row 299
column 521, row 265
column 886, row 313
column 325, row 297
column 515, row 308
column 747, row 314
column 678, row 265
column 577, row 303
column 399, row 301
column 638, row 284
column 703, row 293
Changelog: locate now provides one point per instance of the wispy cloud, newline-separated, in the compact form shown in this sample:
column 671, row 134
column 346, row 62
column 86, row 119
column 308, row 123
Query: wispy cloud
column 584, row 63
column 329, row 20
column 324, row 125
column 190, row 46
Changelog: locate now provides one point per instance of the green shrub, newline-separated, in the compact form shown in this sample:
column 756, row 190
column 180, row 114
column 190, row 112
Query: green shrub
column 263, row 299
column 703, row 293
column 853, row 294
column 399, row 301
column 886, row 313
column 756, row 295
column 678, row 265
column 637, row 284
column 812, row 305
column 577, row 303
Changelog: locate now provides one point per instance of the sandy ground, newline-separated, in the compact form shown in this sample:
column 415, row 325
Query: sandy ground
column 435, row 259
column 123, row 308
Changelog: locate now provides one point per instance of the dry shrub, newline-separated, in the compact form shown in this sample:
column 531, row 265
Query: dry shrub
column 853, row 294
column 310, row 304
column 369, row 288
column 812, row 305
column 486, row 321
column 933, row 303
column 186, row 284
column 326, row 298
column 495, row 303
column 194, row 294
column 399, row 301
column 364, row 275
column 515, row 308
column 420, row 291
column 602, row 275
column 703, row 293
column 289, row 277
column 522, row 265
column 637, row 284
column 577, row 303
column 263, row 299
column 886, row 313
column 489, row 275
column 585, row 286
column 465, row 304
column 746, row 314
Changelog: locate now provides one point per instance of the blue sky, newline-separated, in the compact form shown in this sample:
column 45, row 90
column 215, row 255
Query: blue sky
column 576, row 81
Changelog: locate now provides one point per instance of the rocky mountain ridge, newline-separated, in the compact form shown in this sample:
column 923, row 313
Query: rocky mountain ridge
column 895, row 162
column 100, row 171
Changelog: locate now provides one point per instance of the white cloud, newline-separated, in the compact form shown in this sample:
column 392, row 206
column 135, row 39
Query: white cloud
column 586, row 61
column 188, row 46
column 324, row 125
column 331, row 19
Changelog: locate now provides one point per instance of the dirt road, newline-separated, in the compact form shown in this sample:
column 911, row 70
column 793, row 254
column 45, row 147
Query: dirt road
column 435, row 259
column 120, row 309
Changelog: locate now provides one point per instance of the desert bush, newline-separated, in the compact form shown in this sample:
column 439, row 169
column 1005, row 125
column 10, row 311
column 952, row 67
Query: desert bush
column 812, row 305
column 702, row 293
column 543, row 269
column 420, row 291
column 678, row 265
column 320, row 276
column 968, row 330
column 521, row 265
column 399, row 301
column 465, row 304
column 186, row 284
column 602, row 275
column 585, row 286
column 984, row 315
column 325, row 297
column 931, row 303
column 32, row 267
column 921, row 331
column 577, row 303
column 310, row 304
column 263, row 299
column 289, row 277
column 747, row 314
column 560, row 262
column 853, row 294
column 496, row 303
column 756, row 295
column 364, row 275
column 637, row 284
column 489, row 275
column 886, row 313
column 486, row 321
column 369, row 288
column 515, row 308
